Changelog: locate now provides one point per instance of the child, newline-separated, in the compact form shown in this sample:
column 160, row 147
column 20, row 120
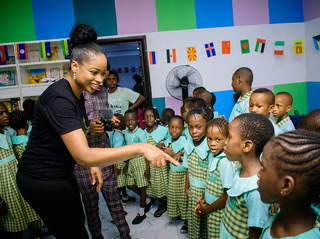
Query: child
column 136, row 179
column 177, row 198
column 195, row 159
column 20, row 215
column 219, row 177
column 210, row 100
column 28, row 106
column 241, row 84
column 117, row 140
column 158, row 178
column 19, row 122
column 166, row 115
column 283, row 104
column 197, row 90
column 289, row 175
column 262, row 102
column 311, row 121
column 245, row 214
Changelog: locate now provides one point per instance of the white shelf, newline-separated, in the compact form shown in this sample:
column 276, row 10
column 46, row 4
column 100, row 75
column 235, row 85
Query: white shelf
column 34, row 89
column 9, row 92
column 42, row 63
column 8, row 66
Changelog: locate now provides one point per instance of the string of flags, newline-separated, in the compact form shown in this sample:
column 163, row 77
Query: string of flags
column 278, row 50
column 126, row 69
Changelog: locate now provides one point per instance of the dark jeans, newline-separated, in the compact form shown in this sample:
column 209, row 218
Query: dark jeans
column 57, row 203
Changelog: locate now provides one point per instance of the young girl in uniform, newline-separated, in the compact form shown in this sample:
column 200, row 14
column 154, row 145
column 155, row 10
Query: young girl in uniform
column 195, row 159
column 290, row 175
column 158, row 178
column 245, row 214
column 219, row 177
column 177, row 198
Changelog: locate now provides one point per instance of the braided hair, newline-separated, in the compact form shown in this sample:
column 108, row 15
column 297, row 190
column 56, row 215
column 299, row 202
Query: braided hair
column 221, row 124
column 205, row 112
column 298, row 154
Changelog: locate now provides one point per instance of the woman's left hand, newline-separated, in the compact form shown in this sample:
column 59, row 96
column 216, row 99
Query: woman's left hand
column 96, row 174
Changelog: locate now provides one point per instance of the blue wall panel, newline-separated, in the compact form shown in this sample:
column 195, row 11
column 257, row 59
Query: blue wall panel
column 159, row 103
column 224, row 103
column 285, row 11
column 313, row 89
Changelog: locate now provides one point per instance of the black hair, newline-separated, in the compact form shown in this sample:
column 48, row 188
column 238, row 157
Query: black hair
column 154, row 111
column 267, row 92
column 131, row 111
column 113, row 72
column 122, row 122
column 28, row 106
column 83, row 44
column 108, row 66
column 311, row 121
column 199, row 89
column 288, row 95
column 195, row 102
column 298, row 153
column 167, row 113
column 205, row 112
column 245, row 73
column 255, row 127
column 213, row 99
column 176, row 117
column 137, row 78
column 18, row 120
column 221, row 123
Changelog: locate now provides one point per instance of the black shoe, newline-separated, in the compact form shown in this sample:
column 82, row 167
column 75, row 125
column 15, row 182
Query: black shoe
column 148, row 205
column 138, row 219
column 161, row 209
column 128, row 201
column 184, row 228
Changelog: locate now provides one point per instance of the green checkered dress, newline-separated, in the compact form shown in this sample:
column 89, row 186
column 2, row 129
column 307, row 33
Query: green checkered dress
column 20, row 212
column 136, row 170
column 158, row 183
column 197, row 168
column 235, row 216
column 18, row 150
column 121, row 177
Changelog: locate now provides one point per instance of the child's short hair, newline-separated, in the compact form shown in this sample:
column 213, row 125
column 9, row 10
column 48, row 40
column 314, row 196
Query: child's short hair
column 122, row 123
column 286, row 94
column 267, row 92
column 245, row 73
column 255, row 127
column 213, row 99
column 28, row 106
column 113, row 72
column 194, row 103
column 167, row 112
column 176, row 117
column 198, row 90
column 18, row 120
column 311, row 121
column 154, row 111
column 298, row 152
column 131, row 111
column 205, row 112
column 221, row 123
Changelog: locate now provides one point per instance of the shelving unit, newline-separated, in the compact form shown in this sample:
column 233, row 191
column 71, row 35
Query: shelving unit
column 22, row 89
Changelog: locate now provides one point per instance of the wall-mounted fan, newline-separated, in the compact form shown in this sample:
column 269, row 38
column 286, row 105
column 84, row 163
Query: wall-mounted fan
column 182, row 80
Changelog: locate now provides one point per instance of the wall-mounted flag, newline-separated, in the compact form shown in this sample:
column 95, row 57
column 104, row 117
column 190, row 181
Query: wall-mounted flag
column 65, row 47
column 210, row 49
column 22, row 51
column 45, row 49
column 171, row 56
column 226, row 47
column 126, row 70
column 133, row 69
column 279, row 48
column 192, row 54
column 316, row 41
column 245, row 46
column 119, row 70
column 152, row 57
column 4, row 53
column 298, row 47
column 260, row 45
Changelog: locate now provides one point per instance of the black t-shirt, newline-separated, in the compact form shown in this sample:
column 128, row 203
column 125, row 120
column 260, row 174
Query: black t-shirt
column 58, row 111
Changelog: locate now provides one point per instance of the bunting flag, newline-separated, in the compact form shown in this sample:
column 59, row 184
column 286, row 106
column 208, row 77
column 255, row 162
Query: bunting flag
column 192, row 54
column 22, row 51
column 152, row 57
column 171, row 56
column 133, row 69
column 316, row 41
column 45, row 49
column 245, row 46
column 298, row 47
column 4, row 54
column 261, row 43
column 225, row 47
column 65, row 47
column 210, row 49
column 126, row 70
column 279, row 48
column 119, row 70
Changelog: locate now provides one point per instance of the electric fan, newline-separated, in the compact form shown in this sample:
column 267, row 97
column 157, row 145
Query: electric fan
column 182, row 80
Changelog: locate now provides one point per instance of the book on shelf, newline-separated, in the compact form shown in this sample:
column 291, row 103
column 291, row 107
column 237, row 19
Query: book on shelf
column 7, row 78
column 66, row 70
column 34, row 56
column 35, row 75
column 55, row 73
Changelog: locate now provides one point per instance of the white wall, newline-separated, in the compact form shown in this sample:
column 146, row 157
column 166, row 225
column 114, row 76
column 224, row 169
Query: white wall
column 312, row 28
column 217, row 71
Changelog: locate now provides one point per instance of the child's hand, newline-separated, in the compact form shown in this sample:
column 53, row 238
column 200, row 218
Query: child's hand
column 96, row 127
column 178, row 157
column 197, row 209
column 203, row 205
column 187, row 191
column 167, row 150
column 160, row 145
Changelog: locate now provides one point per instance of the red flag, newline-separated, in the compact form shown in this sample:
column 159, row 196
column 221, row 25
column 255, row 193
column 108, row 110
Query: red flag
column 225, row 47
column 4, row 54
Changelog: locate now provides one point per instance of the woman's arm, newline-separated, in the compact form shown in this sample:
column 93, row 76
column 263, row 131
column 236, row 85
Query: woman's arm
column 77, row 145
column 138, row 102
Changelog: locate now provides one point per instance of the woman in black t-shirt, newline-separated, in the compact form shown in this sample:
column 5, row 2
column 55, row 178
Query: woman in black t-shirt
column 58, row 140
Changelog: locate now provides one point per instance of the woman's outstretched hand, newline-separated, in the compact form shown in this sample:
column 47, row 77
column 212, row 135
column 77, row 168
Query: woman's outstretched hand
column 156, row 156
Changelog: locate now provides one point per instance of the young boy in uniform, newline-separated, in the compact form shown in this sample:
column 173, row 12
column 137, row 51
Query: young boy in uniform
column 283, row 104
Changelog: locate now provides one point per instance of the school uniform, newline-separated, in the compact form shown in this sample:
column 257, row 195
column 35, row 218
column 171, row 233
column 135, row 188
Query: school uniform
column 196, row 160
column 177, row 197
column 185, row 132
column 286, row 125
column 312, row 233
column 158, row 183
column 220, row 175
column 244, row 208
column 137, row 165
column 19, row 144
column 241, row 106
column 276, row 128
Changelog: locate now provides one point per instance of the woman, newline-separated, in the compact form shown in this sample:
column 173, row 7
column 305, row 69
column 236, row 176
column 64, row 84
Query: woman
column 120, row 97
column 45, row 171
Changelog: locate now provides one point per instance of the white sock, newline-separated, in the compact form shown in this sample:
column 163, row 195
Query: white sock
column 125, row 198
column 148, row 199
column 141, row 211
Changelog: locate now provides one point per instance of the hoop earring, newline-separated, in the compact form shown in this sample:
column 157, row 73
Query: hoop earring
column 74, row 76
